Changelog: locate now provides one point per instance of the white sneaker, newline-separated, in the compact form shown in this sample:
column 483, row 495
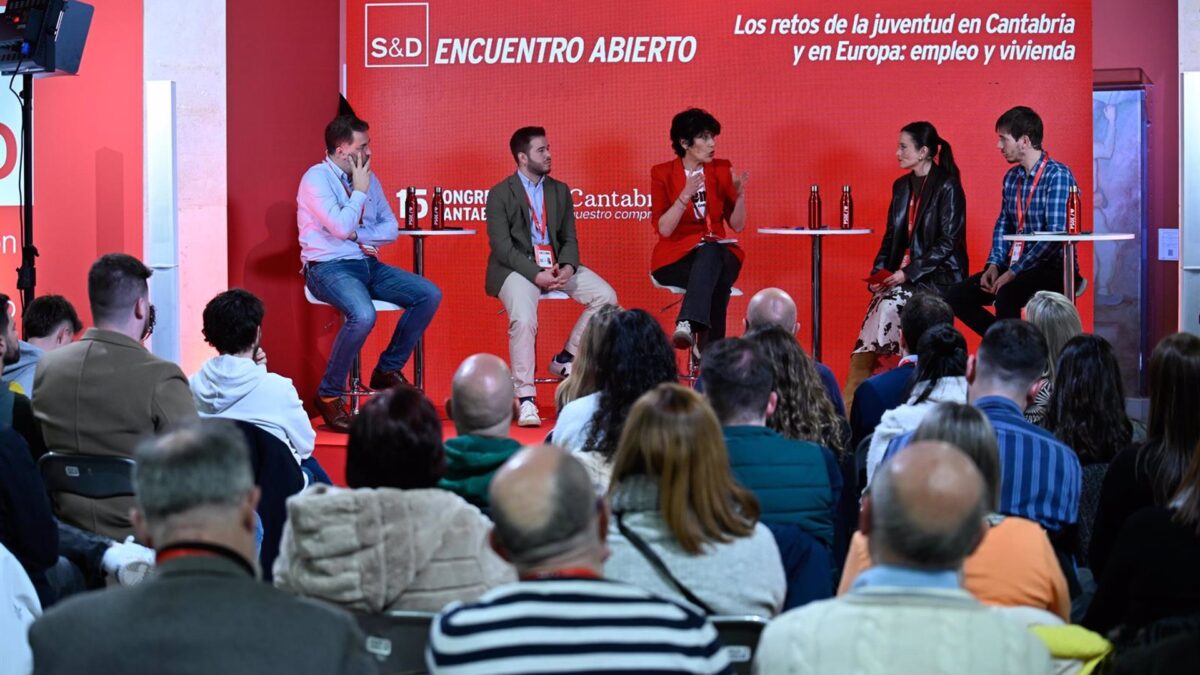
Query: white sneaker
column 528, row 416
column 683, row 338
column 560, row 368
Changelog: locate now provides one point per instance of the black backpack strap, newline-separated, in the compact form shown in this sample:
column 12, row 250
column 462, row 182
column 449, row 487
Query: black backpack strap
column 661, row 567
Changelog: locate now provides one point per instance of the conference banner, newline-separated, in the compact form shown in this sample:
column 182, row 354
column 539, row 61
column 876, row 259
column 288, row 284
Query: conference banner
column 807, row 93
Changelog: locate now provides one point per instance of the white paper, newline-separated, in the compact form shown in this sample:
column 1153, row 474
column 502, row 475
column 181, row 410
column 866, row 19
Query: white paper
column 1168, row 244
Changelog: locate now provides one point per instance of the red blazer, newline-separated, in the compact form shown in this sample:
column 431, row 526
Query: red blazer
column 667, row 181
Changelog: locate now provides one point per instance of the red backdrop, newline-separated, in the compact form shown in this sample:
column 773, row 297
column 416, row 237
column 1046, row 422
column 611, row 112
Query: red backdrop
column 832, row 123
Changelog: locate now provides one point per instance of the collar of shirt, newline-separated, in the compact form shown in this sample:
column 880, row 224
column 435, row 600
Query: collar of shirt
column 911, row 358
column 1041, row 160
column 337, row 170
column 904, row 577
column 999, row 402
column 530, row 186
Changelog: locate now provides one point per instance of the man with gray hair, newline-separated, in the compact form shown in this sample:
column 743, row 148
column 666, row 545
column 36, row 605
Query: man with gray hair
column 562, row 616
column 924, row 514
column 481, row 405
column 205, row 611
column 775, row 307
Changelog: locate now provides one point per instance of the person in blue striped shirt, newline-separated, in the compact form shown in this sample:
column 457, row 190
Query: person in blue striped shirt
column 563, row 616
column 1040, row 478
column 1034, row 200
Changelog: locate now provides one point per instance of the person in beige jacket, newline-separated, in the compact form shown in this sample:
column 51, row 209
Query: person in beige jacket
column 103, row 394
column 394, row 541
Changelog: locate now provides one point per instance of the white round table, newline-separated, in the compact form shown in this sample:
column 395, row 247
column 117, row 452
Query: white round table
column 1069, row 242
column 418, row 238
column 816, row 236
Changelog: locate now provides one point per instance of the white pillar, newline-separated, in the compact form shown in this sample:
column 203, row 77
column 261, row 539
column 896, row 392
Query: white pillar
column 1189, row 166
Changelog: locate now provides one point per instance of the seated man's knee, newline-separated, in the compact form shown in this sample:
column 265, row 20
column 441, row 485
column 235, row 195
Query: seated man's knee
column 361, row 318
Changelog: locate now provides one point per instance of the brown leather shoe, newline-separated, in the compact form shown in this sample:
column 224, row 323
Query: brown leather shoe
column 386, row 379
column 333, row 411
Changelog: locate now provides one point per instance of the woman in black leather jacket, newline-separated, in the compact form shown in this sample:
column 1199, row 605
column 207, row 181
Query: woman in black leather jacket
column 924, row 246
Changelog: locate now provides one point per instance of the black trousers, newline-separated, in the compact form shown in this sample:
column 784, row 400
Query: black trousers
column 968, row 299
column 708, row 273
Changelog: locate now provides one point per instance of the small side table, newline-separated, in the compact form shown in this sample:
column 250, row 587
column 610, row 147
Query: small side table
column 418, row 239
column 817, row 236
column 1069, row 242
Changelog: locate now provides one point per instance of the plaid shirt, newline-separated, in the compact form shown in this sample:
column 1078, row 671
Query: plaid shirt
column 1047, row 213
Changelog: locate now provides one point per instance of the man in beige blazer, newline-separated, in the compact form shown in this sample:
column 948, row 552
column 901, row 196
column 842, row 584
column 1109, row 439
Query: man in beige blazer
column 531, row 232
column 104, row 393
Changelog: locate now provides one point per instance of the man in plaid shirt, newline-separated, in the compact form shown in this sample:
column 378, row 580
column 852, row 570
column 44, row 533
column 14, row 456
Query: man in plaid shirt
column 1035, row 200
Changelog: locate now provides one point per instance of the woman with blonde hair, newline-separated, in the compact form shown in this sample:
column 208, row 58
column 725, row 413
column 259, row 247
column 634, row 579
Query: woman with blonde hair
column 1058, row 320
column 682, row 527
column 582, row 380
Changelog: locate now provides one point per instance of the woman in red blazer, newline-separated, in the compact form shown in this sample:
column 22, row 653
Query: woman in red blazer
column 694, row 197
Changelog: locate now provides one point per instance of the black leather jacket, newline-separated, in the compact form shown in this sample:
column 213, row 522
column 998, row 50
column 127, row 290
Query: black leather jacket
column 939, row 246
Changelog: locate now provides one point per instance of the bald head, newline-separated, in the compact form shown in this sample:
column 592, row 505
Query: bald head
column 926, row 508
column 544, row 508
column 481, row 396
column 772, row 307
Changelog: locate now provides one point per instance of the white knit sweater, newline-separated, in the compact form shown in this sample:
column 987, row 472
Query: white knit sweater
column 907, row 417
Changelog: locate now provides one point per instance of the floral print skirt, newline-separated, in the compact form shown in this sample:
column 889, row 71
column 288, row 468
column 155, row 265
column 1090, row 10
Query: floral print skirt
column 880, row 331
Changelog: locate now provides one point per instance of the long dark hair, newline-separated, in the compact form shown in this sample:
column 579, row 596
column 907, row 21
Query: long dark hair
column 924, row 135
column 1174, row 428
column 1087, row 404
column 804, row 411
column 942, row 352
column 634, row 359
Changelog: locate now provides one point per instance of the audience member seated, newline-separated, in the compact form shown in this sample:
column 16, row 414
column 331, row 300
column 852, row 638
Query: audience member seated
column 49, row 322
column 940, row 377
column 481, row 405
column 563, row 616
column 394, row 541
column 925, row 513
column 1058, row 320
column 102, row 394
column 204, row 611
column 1176, row 655
column 19, row 608
column 634, row 358
column 581, row 380
column 774, row 307
column 1087, row 412
column 683, row 528
column 803, row 411
column 236, row 385
column 15, row 409
column 1150, row 474
column 876, row 395
column 1151, row 570
column 1015, row 565
column 795, row 482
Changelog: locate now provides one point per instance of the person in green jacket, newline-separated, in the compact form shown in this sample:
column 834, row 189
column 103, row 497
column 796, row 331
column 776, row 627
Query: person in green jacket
column 481, row 405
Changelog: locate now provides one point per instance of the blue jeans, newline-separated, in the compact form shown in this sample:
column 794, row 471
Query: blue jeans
column 349, row 286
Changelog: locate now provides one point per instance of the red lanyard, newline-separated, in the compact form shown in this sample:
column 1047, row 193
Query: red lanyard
column 1020, row 183
column 539, row 222
column 567, row 573
column 914, row 205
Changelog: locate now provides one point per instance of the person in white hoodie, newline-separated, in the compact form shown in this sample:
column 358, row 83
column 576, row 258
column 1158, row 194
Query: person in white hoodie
column 236, row 384
column 940, row 377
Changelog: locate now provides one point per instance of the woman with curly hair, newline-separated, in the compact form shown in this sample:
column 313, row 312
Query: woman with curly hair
column 804, row 411
column 633, row 358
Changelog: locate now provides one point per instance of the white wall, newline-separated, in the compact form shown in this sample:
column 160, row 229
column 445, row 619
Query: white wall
column 1189, row 173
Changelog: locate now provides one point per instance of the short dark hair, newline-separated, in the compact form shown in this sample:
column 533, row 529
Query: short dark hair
column 522, row 138
column 1021, row 121
column 341, row 130
column 689, row 124
column 396, row 442
column 115, row 282
column 231, row 320
column 48, row 312
column 737, row 378
column 1013, row 352
column 923, row 311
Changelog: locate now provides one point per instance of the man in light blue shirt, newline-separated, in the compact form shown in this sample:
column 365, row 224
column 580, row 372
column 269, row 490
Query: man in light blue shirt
column 344, row 218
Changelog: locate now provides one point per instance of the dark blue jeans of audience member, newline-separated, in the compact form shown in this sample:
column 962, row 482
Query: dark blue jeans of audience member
column 807, row 565
column 314, row 472
column 350, row 285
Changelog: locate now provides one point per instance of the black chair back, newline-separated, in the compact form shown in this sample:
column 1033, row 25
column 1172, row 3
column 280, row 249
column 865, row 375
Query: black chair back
column 739, row 635
column 397, row 640
column 91, row 476
column 278, row 475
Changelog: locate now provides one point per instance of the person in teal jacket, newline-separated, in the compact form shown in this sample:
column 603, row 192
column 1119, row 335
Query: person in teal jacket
column 796, row 482
column 481, row 407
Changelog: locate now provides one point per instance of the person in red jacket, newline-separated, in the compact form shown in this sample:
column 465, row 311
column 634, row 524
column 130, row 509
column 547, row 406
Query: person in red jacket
column 694, row 197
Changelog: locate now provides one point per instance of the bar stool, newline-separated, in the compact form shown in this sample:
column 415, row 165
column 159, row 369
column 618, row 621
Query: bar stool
column 693, row 366
column 545, row 295
column 356, row 390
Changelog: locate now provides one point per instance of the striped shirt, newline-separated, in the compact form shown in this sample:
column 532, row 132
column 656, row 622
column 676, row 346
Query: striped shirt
column 1040, row 478
column 572, row 625
column 1047, row 212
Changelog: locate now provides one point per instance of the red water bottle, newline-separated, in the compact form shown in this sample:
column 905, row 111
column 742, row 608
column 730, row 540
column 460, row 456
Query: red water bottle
column 435, row 210
column 1074, row 206
column 814, row 208
column 410, row 209
column 847, row 209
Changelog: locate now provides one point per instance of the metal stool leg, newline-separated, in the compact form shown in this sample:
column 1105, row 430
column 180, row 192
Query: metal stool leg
column 356, row 391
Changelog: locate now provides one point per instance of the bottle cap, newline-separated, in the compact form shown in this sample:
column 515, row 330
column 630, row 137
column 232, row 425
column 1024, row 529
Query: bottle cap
column 845, row 188
column 437, row 190
column 814, row 187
